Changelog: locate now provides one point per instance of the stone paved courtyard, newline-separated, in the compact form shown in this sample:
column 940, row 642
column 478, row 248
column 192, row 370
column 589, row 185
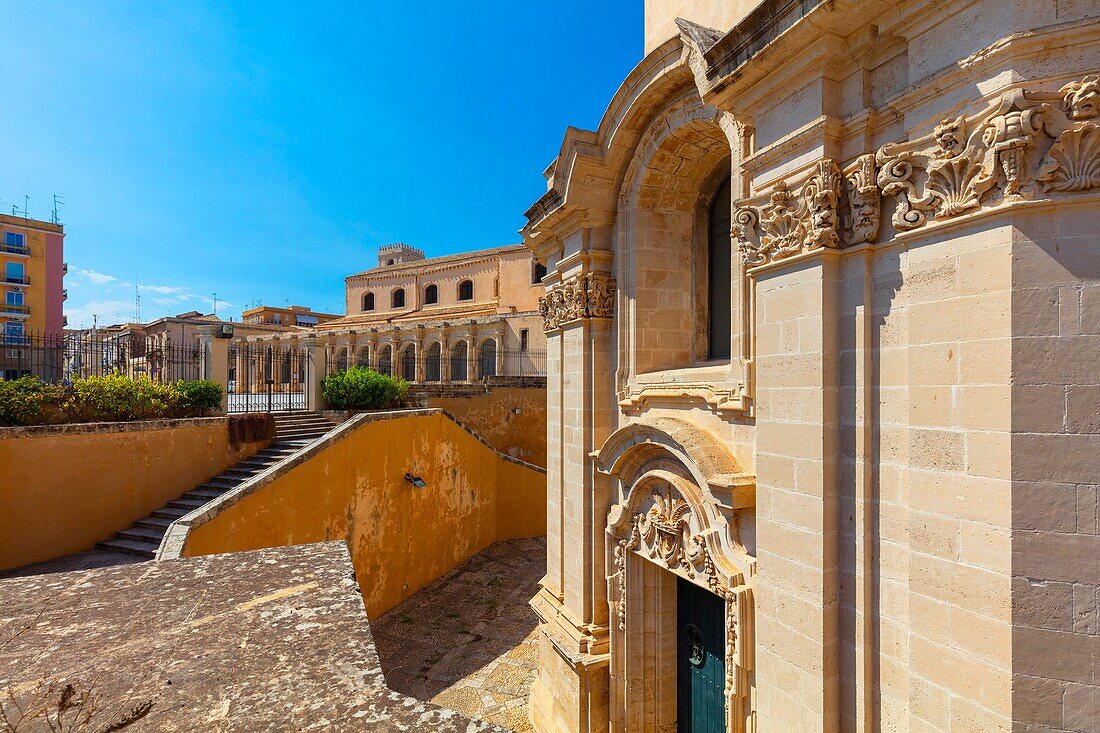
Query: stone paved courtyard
column 467, row 641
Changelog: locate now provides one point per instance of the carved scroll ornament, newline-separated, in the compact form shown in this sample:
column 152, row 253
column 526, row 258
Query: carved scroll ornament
column 1026, row 145
column 584, row 296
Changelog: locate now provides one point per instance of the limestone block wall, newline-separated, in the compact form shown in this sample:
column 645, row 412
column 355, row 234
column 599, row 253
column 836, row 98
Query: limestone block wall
column 65, row 487
column 1055, row 470
column 352, row 486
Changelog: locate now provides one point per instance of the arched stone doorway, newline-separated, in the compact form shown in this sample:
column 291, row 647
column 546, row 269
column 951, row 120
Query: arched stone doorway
column 682, row 502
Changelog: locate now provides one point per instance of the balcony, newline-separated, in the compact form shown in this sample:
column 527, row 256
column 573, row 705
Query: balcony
column 64, row 268
column 65, row 294
column 10, row 339
column 17, row 281
column 15, row 249
column 17, row 311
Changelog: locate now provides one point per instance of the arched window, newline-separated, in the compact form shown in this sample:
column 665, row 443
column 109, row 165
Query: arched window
column 397, row 300
column 458, row 362
column 538, row 272
column 368, row 302
column 466, row 290
column 408, row 363
column 433, row 363
column 718, row 275
column 431, row 294
column 385, row 360
column 487, row 359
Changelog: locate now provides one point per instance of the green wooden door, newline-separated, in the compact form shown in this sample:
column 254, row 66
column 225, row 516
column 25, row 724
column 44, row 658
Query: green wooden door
column 700, row 659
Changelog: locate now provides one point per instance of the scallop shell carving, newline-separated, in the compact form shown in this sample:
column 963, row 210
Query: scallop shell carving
column 1073, row 163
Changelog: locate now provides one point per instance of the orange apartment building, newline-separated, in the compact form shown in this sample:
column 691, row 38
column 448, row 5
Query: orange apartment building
column 32, row 268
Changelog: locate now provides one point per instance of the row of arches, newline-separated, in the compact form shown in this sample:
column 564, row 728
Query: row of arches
column 464, row 291
column 433, row 365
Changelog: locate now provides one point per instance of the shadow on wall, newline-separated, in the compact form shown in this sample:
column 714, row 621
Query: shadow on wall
column 353, row 485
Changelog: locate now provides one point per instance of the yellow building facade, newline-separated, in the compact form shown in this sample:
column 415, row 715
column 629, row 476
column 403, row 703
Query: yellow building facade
column 32, row 271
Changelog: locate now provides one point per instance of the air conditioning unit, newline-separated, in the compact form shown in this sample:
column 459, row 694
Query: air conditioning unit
column 226, row 331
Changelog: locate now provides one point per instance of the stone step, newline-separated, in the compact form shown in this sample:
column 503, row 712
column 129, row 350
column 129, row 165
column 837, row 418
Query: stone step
column 171, row 512
column 142, row 534
column 202, row 494
column 154, row 522
column 133, row 547
column 187, row 504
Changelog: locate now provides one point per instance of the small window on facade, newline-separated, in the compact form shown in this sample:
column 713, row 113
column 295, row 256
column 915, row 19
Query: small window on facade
column 368, row 302
column 13, row 271
column 13, row 239
column 398, row 298
column 523, row 339
column 14, row 297
column 538, row 273
column 431, row 294
column 466, row 290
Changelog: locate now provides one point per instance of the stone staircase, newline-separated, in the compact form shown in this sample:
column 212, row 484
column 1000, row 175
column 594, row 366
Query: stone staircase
column 294, row 431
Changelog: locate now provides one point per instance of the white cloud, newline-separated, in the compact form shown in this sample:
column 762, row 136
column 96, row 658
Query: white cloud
column 96, row 278
column 106, row 312
column 167, row 289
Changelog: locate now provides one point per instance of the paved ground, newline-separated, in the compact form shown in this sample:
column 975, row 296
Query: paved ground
column 80, row 561
column 467, row 641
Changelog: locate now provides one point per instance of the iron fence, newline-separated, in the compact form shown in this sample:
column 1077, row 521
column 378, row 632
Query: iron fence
column 266, row 377
column 63, row 357
column 433, row 366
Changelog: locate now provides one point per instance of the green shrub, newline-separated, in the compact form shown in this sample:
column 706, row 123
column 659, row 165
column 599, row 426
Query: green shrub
column 21, row 400
column 115, row 397
column 360, row 388
column 199, row 395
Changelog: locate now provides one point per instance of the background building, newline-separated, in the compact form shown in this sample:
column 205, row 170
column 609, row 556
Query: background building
column 457, row 318
column 33, row 268
column 294, row 315
column 32, row 272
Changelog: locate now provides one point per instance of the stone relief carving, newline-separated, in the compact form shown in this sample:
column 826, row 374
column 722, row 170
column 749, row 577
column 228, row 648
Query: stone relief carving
column 1024, row 145
column 791, row 223
column 862, row 208
column 584, row 296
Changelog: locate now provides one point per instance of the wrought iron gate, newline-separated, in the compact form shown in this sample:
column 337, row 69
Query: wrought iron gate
column 267, row 377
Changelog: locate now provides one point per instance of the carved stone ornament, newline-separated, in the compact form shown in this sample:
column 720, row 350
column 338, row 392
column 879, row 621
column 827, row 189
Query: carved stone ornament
column 1026, row 144
column 584, row 296
column 862, row 206
column 791, row 223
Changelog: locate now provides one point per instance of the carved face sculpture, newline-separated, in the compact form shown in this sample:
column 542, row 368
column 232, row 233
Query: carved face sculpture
column 1082, row 98
column 949, row 136
column 824, row 210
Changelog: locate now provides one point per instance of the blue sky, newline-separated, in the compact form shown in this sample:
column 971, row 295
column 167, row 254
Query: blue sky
column 263, row 150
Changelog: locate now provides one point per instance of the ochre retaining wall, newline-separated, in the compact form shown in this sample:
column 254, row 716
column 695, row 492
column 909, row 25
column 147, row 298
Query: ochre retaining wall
column 492, row 414
column 353, row 486
column 65, row 487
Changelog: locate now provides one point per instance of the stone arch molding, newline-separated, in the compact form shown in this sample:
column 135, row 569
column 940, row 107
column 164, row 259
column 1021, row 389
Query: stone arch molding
column 668, row 517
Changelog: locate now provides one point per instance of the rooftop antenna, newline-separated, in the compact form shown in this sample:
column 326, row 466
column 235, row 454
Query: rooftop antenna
column 26, row 206
column 215, row 305
column 57, row 201
column 137, row 305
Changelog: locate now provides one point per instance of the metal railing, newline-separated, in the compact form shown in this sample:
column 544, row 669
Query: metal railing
column 15, row 249
column 64, row 357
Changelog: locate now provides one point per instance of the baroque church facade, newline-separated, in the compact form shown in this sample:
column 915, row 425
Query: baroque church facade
column 823, row 326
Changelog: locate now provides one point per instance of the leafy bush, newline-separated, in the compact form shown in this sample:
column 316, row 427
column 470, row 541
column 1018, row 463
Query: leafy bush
column 199, row 395
column 360, row 388
column 21, row 400
column 115, row 397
